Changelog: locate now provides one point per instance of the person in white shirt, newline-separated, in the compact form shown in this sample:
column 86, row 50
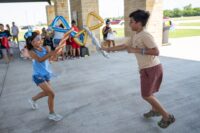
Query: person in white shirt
column 15, row 32
column 57, row 38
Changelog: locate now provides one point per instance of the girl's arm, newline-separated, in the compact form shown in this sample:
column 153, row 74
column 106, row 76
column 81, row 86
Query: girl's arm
column 41, row 59
column 116, row 48
column 144, row 51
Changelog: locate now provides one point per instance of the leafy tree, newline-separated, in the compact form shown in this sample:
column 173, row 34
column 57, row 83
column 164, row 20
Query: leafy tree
column 187, row 11
column 196, row 11
column 168, row 13
column 177, row 12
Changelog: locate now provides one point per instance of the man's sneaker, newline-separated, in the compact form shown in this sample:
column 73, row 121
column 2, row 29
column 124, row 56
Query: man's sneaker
column 55, row 117
column 33, row 104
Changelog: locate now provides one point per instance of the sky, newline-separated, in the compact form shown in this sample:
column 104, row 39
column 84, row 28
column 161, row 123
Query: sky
column 34, row 13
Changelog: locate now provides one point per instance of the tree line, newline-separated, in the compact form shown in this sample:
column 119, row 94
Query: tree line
column 186, row 11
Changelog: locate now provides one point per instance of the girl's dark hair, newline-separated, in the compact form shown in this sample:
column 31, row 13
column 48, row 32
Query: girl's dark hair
column 140, row 16
column 30, row 39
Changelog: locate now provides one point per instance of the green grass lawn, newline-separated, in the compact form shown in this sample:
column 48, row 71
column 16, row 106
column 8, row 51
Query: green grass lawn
column 186, row 18
column 189, row 24
column 184, row 33
column 21, row 35
column 172, row 34
column 120, row 32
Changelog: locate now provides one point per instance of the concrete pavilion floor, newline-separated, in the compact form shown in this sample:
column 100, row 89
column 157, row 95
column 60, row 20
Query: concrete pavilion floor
column 98, row 95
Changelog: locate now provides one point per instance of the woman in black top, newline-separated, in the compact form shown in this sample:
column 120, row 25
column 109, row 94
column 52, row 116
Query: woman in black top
column 106, row 29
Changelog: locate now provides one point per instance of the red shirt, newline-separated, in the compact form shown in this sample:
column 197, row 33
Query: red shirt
column 73, row 43
column 75, row 28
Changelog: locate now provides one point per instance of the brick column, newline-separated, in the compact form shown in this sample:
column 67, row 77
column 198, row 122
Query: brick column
column 154, row 25
column 50, row 11
column 62, row 8
column 76, row 12
column 79, row 12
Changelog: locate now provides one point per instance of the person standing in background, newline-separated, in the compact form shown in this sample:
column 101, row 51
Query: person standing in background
column 15, row 32
column 8, row 27
column 5, row 49
column 108, row 34
column 75, row 46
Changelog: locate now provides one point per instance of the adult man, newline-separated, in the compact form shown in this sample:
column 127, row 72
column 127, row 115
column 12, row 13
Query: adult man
column 15, row 32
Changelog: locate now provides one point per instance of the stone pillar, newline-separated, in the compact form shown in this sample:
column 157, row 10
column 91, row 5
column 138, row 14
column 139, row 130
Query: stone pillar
column 79, row 12
column 50, row 11
column 76, row 12
column 154, row 25
column 62, row 9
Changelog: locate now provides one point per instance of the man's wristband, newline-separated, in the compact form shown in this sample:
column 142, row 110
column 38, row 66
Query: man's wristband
column 143, row 50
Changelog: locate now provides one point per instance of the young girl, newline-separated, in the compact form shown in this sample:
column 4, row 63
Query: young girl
column 146, row 51
column 41, row 73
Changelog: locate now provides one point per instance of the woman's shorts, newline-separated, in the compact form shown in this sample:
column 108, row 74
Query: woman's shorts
column 38, row 79
column 151, row 79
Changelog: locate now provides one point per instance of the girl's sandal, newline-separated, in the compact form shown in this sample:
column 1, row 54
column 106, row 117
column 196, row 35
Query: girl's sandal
column 165, row 123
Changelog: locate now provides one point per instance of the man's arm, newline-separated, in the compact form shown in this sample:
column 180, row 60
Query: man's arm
column 116, row 48
column 144, row 51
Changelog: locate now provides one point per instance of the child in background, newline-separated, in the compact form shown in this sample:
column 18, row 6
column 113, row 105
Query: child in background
column 75, row 46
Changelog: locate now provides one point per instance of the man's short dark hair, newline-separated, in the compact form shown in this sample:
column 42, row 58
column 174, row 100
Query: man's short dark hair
column 140, row 16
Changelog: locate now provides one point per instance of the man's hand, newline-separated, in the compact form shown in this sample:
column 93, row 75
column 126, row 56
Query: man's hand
column 104, row 49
